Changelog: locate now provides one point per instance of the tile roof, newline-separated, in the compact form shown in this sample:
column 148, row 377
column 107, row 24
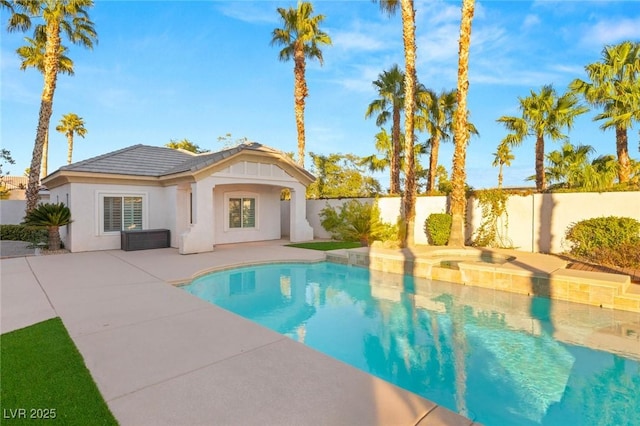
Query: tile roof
column 137, row 160
column 155, row 161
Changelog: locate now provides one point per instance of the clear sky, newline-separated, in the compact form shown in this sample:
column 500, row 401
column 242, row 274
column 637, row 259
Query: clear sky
column 201, row 69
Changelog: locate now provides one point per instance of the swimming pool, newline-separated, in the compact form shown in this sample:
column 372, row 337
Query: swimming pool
column 498, row 358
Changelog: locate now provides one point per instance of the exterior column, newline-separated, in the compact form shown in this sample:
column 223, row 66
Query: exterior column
column 199, row 238
column 299, row 228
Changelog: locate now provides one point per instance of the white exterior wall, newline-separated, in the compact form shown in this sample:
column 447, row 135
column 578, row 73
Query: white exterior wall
column 535, row 223
column 85, row 234
column 12, row 211
column 267, row 221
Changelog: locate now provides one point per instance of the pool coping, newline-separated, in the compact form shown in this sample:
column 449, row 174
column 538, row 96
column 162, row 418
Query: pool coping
column 522, row 273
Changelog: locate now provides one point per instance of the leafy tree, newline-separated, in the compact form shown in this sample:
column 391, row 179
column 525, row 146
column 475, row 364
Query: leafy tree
column 502, row 157
column 384, row 147
column 186, row 145
column 300, row 37
column 71, row 124
column 571, row 167
column 51, row 216
column 543, row 114
column 340, row 175
column 390, row 88
column 228, row 141
column 436, row 118
column 32, row 56
column 5, row 157
column 408, row 210
column 615, row 86
column 461, row 130
column 58, row 18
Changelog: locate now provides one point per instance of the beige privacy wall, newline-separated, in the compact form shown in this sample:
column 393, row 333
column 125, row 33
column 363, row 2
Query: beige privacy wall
column 535, row 223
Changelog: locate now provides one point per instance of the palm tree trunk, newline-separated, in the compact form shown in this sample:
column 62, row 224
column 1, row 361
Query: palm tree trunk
column 541, row 183
column 46, row 109
column 461, row 131
column 395, row 153
column 500, row 176
column 622, row 149
column 54, row 237
column 409, row 196
column 433, row 163
column 69, row 147
column 300, row 93
column 45, row 156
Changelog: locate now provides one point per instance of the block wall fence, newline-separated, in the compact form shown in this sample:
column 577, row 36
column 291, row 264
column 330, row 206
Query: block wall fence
column 534, row 223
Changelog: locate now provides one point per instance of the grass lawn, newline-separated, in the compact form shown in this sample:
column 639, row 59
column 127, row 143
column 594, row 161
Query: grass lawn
column 327, row 245
column 44, row 379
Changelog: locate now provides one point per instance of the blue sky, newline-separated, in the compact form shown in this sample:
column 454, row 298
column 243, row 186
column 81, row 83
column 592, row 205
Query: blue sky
column 202, row 69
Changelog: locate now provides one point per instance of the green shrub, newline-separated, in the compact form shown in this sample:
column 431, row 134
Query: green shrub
column 23, row 233
column 588, row 236
column 625, row 256
column 438, row 227
column 356, row 221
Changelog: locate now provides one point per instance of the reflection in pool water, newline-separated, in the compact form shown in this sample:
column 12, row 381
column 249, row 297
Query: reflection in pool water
column 498, row 358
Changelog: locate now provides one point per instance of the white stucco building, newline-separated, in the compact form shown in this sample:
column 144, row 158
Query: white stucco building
column 203, row 199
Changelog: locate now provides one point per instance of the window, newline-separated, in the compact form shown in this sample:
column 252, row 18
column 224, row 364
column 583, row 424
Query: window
column 242, row 212
column 122, row 213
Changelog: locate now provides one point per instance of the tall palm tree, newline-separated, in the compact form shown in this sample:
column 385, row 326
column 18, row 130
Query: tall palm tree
column 33, row 57
column 71, row 124
column 502, row 157
column 461, row 130
column 615, row 86
column 543, row 114
column 436, row 119
column 58, row 18
column 390, row 88
column 408, row 210
column 300, row 38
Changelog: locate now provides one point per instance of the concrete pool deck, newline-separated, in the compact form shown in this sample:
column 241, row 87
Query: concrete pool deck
column 161, row 356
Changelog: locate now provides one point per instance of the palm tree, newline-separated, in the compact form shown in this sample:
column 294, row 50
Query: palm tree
column 502, row 157
column 543, row 114
column 390, row 87
column 615, row 86
column 70, row 18
column 436, row 117
column 33, row 57
column 408, row 210
column 301, row 37
column 461, row 130
column 71, row 124
column 185, row 145
column 52, row 217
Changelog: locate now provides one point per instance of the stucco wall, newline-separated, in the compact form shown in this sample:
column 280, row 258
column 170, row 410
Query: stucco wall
column 267, row 223
column 535, row 223
column 12, row 211
column 84, row 233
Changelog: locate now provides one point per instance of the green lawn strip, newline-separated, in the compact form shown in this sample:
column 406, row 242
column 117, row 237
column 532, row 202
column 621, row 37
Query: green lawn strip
column 42, row 373
column 327, row 245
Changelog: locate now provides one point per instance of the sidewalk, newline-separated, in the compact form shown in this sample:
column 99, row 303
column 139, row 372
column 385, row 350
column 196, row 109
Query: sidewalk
column 161, row 356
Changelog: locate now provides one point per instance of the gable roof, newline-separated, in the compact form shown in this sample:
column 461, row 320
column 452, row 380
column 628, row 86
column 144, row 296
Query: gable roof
column 148, row 162
column 136, row 160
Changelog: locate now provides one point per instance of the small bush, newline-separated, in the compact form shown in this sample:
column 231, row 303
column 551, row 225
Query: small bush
column 587, row 236
column 438, row 228
column 23, row 233
column 625, row 256
column 356, row 221
column 612, row 241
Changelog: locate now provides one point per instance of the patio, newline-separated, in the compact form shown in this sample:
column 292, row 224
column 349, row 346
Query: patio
column 161, row 356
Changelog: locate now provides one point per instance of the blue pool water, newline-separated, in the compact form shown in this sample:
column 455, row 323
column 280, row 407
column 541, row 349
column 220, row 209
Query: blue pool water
column 495, row 357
